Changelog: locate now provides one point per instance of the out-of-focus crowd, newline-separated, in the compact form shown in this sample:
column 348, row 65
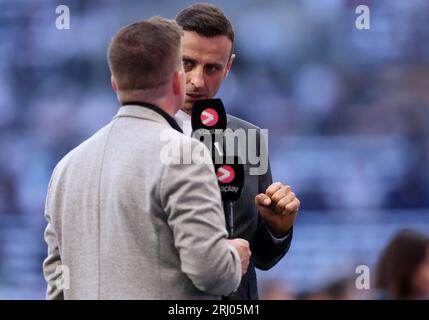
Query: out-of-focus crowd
column 346, row 109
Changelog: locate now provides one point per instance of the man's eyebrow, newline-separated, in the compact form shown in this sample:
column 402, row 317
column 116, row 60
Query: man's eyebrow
column 214, row 64
column 188, row 58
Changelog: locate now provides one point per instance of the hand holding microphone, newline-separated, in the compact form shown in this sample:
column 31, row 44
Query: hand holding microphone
column 242, row 247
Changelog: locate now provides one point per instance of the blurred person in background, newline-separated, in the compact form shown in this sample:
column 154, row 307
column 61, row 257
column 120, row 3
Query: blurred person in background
column 342, row 288
column 266, row 211
column 274, row 289
column 403, row 267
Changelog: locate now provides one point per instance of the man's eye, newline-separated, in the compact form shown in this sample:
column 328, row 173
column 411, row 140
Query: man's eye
column 187, row 64
column 212, row 68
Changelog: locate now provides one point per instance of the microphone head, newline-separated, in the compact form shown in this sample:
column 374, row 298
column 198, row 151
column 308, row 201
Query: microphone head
column 230, row 176
column 208, row 114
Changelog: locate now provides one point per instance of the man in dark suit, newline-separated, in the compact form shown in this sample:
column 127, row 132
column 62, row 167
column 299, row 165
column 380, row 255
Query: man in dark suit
column 266, row 211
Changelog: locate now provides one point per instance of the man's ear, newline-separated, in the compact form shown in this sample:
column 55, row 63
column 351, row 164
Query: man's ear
column 178, row 82
column 114, row 85
column 228, row 66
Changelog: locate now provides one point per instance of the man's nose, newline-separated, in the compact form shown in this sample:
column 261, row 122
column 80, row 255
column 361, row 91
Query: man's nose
column 196, row 78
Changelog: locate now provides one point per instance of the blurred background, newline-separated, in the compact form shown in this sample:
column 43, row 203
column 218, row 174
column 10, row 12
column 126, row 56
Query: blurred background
column 347, row 112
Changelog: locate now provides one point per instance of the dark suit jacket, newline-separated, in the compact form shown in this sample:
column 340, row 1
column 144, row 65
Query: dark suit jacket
column 249, row 224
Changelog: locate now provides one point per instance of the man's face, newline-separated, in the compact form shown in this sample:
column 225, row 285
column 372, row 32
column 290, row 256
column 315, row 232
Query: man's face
column 207, row 62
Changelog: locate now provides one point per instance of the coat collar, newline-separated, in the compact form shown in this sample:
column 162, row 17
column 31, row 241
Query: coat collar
column 147, row 111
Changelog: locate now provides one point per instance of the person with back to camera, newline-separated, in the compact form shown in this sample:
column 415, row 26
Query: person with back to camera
column 123, row 222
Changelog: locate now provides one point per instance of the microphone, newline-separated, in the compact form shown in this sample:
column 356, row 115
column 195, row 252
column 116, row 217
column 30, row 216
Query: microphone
column 208, row 114
column 230, row 176
column 209, row 122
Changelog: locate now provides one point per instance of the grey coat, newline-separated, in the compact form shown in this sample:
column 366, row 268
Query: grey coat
column 122, row 224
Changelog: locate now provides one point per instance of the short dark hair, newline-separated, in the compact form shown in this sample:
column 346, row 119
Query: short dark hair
column 144, row 54
column 205, row 19
column 399, row 261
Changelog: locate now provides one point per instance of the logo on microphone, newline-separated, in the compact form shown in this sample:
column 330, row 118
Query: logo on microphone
column 225, row 174
column 209, row 117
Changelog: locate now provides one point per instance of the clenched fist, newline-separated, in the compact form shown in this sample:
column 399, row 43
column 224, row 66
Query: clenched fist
column 242, row 246
column 278, row 207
